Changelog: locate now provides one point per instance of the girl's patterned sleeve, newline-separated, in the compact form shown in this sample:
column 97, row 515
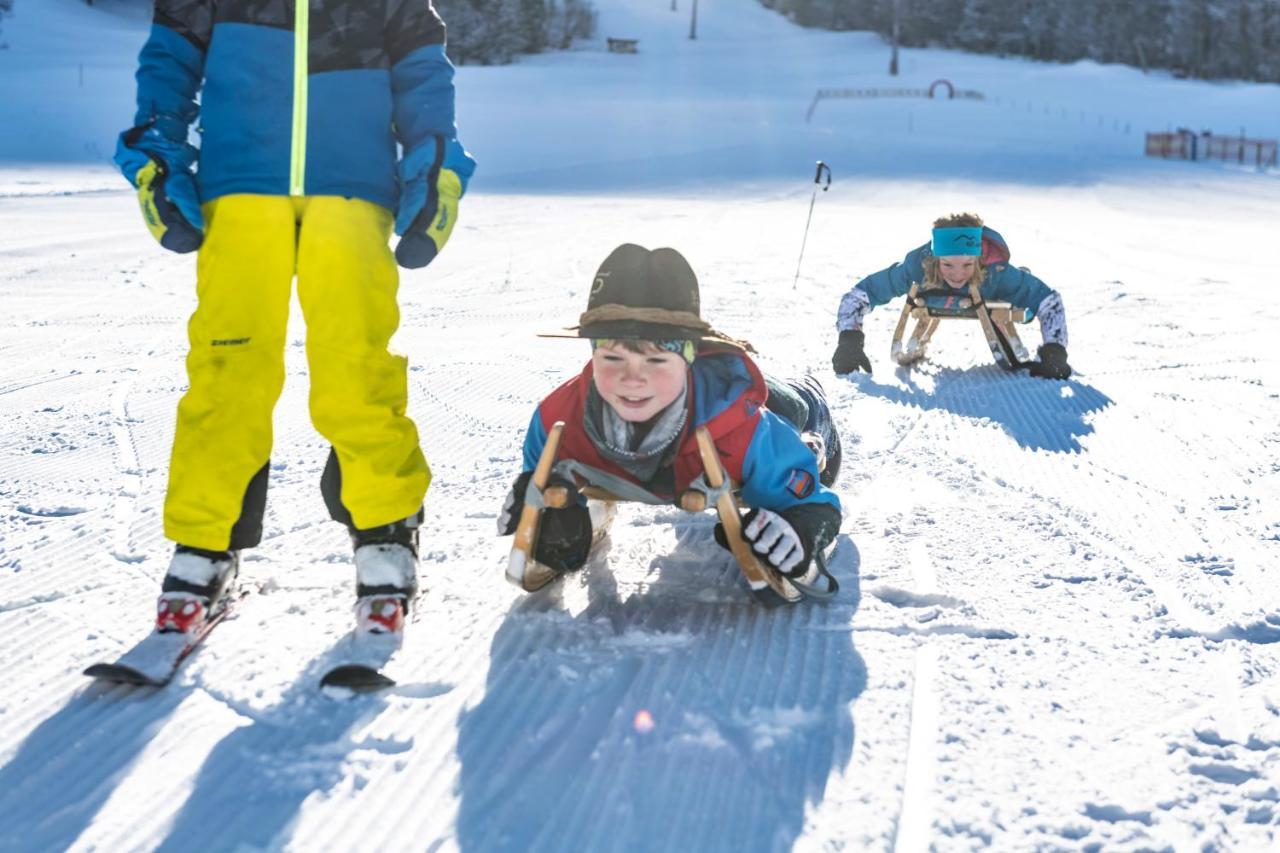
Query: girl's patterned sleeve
column 879, row 288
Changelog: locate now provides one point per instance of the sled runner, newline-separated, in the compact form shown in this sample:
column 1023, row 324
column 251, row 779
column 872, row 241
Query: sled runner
column 712, row 489
column 930, row 306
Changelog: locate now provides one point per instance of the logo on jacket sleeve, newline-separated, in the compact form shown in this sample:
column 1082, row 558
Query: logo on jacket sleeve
column 800, row 483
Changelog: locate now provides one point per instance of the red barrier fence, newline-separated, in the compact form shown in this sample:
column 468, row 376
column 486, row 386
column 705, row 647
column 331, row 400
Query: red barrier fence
column 1185, row 145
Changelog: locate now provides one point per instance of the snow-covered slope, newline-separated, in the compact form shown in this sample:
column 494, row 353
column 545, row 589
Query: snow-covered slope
column 1058, row 621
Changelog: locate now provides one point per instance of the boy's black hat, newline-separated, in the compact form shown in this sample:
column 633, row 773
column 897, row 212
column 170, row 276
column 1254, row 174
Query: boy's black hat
column 643, row 294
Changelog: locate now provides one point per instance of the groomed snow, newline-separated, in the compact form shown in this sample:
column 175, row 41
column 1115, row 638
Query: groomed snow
column 1059, row 613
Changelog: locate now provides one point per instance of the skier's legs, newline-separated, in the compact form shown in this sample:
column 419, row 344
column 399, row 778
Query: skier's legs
column 347, row 284
column 235, row 366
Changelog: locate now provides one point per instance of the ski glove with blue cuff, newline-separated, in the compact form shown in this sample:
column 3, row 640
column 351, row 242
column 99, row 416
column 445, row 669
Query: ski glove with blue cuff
column 429, row 195
column 564, row 537
column 160, row 169
column 1052, row 363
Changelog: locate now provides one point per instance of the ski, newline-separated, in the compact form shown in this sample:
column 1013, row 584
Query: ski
column 362, row 654
column 155, row 659
column 361, row 658
column 357, row 677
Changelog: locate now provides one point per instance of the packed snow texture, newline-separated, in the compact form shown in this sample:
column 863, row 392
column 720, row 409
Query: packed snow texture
column 1059, row 613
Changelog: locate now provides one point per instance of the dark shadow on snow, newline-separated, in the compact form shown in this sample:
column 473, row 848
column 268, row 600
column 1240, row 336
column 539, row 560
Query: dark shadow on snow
column 1039, row 414
column 67, row 768
column 746, row 731
column 253, row 783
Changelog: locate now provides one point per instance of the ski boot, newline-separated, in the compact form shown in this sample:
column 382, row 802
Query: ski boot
column 193, row 588
column 819, row 430
column 386, row 561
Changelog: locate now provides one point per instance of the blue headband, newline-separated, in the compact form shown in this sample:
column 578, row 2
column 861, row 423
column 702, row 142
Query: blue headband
column 687, row 349
column 957, row 241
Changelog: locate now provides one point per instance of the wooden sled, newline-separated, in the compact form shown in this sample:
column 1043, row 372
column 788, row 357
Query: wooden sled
column 767, row 586
column 929, row 307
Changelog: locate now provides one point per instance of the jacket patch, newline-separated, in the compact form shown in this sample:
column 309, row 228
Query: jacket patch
column 800, row 483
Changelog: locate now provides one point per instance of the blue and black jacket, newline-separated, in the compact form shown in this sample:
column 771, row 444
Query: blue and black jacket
column 300, row 98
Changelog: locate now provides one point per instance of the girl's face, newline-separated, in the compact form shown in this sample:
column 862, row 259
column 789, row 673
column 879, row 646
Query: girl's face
column 956, row 270
column 638, row 385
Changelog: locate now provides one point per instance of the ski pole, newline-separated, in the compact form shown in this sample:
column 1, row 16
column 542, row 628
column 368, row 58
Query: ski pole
column 817, row 179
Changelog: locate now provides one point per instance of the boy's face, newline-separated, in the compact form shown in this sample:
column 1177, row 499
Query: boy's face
column 638, row 385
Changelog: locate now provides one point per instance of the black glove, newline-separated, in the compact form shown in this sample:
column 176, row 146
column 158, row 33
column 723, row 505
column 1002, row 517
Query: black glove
column 849, row 355
column 775, row 540
column 1052, row 363
column 564, row 538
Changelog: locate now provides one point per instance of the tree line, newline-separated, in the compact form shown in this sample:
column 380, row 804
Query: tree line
column 493, row 32
column 1208, row 39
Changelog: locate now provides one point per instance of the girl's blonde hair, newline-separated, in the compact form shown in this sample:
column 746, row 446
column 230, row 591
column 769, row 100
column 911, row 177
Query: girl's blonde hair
column 932, row 273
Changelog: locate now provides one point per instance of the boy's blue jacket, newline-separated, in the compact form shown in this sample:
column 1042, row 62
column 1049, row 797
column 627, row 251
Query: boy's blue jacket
column 759, row 450
column 297, row 99
column 1004, row 282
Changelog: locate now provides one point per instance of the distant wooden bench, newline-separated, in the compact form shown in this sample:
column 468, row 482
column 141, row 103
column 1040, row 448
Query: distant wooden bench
column 622, row 45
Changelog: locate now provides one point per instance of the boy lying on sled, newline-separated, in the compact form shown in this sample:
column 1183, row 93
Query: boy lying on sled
column 665, row 410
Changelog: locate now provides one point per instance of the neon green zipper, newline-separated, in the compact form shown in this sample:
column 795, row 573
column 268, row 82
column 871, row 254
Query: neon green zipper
column 298, row 158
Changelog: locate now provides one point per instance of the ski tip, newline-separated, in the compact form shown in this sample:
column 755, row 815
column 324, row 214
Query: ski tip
column 121, row 675
column 357, row 678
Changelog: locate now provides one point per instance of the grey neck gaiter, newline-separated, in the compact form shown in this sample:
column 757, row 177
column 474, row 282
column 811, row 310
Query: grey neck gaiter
column 641, row 454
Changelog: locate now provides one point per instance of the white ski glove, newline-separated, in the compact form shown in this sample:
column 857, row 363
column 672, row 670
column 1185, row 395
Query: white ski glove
column 773, row 536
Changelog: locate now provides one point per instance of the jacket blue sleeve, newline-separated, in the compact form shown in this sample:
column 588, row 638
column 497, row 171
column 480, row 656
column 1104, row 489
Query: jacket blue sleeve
column 779, row 472
column 1016, row 286
column 170, row 71
column 896, row 280
column 422, row 105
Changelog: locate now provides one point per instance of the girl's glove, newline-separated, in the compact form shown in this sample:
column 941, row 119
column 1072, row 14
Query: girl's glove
column 1052, row 363
column 849, row 355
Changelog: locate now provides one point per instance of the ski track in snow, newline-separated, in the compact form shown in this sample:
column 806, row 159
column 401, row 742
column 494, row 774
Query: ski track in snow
column 1056, row 629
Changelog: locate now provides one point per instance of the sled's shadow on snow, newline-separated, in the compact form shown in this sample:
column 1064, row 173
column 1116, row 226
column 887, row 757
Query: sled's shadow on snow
column 1038, row 414
column 673, row 714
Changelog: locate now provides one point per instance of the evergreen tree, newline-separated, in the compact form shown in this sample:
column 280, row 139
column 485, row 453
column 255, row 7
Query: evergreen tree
column 1200, row 38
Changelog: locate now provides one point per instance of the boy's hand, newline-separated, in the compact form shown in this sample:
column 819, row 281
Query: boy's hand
column 432, row 225
column 513, row 506
column 849, row 355
column 1052, row 363
column 564, row 537
column 773, row 538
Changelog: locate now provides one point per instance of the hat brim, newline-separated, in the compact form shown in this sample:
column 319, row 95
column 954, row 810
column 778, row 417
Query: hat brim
column 634, row 330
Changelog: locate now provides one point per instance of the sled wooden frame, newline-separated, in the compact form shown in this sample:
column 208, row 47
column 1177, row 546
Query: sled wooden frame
column 996, row 319
column 766, row 583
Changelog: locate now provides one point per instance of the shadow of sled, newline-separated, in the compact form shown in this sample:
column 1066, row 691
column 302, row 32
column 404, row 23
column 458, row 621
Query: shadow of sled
column 1039, row 414
column 684, row 716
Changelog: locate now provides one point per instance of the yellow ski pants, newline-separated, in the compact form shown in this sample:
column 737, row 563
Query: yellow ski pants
column 253, row 248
